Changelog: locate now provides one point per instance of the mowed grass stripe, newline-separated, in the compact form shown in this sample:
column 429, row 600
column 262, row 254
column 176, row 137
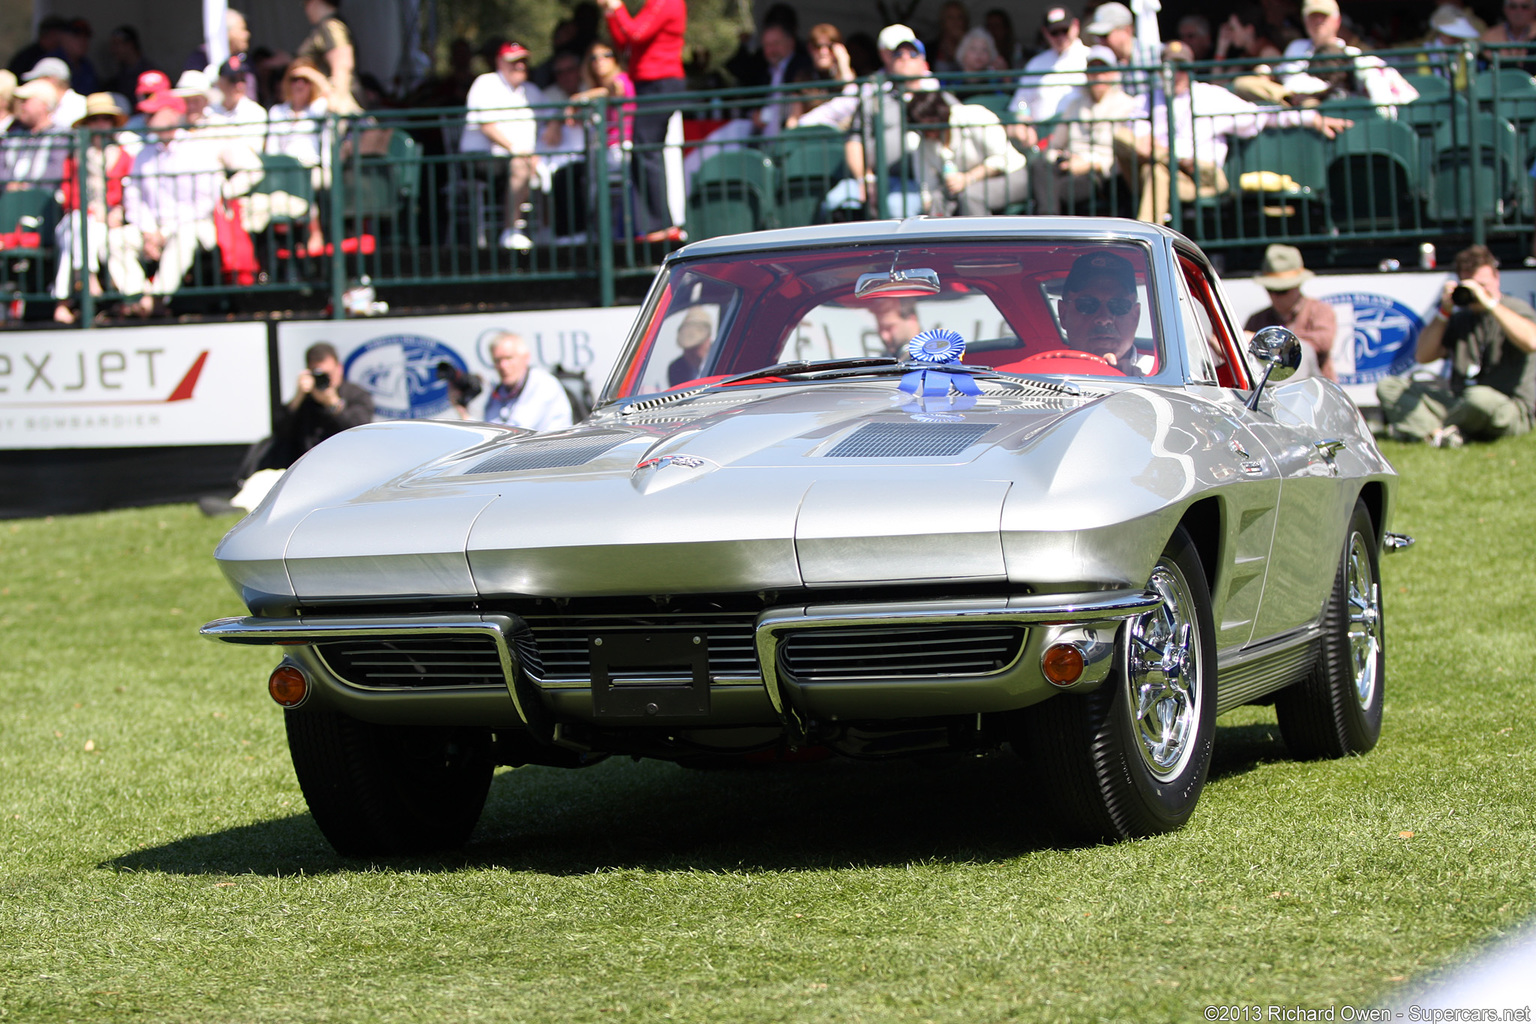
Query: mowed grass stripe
column 157, row 862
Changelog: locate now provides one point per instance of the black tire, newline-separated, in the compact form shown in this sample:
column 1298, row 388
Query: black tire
column 1336, row 710
column 381, row 790
column 1108, row 773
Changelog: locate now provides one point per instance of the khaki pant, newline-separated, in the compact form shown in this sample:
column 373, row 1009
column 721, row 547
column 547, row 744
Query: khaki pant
column 1150, row 178
column 1418, row 408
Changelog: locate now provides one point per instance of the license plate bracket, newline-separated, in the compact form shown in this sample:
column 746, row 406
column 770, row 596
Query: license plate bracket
column 649, row 675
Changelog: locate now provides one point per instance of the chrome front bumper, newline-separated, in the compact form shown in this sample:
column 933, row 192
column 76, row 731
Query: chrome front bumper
column 1089, row 620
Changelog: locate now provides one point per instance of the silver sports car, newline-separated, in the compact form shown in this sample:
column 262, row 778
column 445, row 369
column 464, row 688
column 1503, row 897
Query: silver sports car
column 869, row 490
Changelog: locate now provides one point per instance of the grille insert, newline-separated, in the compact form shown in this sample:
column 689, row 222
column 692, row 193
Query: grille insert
column 879, row 652
column 908, row 440
column 409, row 662
column 549, row 453
column 563, row 654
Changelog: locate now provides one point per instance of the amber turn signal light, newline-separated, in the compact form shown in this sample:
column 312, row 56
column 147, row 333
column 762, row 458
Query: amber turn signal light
column 1062, row 664
column 289, row 687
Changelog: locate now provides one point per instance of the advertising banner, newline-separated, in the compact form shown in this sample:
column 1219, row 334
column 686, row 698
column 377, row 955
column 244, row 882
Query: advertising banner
column 1379, row 315
column 134, row 387
column 397, row 359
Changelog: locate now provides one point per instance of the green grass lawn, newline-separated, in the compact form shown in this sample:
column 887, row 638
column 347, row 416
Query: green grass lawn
column 157, row 862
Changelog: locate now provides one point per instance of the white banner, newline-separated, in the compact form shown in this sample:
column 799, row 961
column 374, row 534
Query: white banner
column 135, row 387
column 1380, row 316
column 395, row 359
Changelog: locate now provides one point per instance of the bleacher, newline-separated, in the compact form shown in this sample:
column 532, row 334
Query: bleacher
column 419, row 219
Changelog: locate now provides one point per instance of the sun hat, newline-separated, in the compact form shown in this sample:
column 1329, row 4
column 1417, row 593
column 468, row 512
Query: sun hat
column 893, row 36
column 102, row 104
column 1450, row 20
column 37, row 90
column 1328, row 7
column 192, row 83
column 1109, row 17
column 1282, row 269
column 48, row 67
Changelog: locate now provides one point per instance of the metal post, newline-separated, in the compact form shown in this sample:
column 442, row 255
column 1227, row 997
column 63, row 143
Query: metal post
column 882, row 177
column 337, row 225
column 83, row 243
column 1474, row 190
column 1175, row 206
column 597, row 129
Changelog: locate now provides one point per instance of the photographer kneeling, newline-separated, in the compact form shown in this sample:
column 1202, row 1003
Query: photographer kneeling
column 1490, row 339
column 526, row 395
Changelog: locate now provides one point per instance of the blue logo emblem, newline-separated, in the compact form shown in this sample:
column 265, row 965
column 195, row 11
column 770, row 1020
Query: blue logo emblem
column 1386, row 335
column 400, row 372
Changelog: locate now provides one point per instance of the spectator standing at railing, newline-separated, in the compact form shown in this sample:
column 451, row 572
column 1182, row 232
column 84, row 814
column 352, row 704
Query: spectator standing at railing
column 1312, row 320
column 1205, row 115
column 1250, row 56
column 99, row 224
column 33, row 148
column 329, row 47
column 501, row 122
column 1517, row 26
column 1051, row 75
column 965, row 158
column 1080, row 157
column 169, row 197
column 68, row 105
column 654, row 39
column 1490, row 339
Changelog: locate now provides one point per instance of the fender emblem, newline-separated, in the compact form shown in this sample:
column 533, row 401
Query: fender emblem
column 1238, row 449
column 681, row 461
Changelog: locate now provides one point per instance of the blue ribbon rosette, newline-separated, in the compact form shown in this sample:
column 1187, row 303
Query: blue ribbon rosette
column 932, row 351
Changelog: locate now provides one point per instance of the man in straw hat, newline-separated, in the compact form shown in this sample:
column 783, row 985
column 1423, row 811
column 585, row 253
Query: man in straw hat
column 1313, row 321
column 97, row 227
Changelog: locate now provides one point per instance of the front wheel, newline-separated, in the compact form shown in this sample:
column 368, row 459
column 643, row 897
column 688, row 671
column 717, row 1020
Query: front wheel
column 1130, row 758
column 1336, row 710
column 380, row 790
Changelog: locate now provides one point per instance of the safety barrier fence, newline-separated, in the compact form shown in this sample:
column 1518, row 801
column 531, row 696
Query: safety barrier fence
column 393, row 201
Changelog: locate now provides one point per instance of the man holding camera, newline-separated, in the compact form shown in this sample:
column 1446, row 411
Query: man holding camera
column 324, row 403
column 1490, row 339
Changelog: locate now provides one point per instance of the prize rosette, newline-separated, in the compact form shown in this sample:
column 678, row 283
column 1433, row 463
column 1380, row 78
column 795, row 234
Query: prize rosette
column 932, row 351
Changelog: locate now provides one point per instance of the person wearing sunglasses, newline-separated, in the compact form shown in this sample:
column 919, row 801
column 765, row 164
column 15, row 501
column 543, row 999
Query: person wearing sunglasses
column 1099, row 310
column 1052, row 74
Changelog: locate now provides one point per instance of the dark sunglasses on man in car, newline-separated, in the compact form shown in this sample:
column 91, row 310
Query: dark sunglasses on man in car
column 1089, row 305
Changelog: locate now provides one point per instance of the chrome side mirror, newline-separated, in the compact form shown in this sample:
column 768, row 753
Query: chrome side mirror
column 1280, row 352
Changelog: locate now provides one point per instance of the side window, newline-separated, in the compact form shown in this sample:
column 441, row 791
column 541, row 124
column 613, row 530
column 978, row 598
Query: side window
column 1221, row 344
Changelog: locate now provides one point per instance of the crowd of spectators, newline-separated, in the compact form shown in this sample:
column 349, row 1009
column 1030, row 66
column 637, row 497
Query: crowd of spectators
column 1089, row 79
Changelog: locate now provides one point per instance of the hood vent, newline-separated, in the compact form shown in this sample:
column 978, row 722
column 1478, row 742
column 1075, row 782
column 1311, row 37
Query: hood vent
column 550, row 453
column 908, row 440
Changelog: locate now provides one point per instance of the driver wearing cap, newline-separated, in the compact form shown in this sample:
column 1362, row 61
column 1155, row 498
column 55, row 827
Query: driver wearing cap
column 1099, row 309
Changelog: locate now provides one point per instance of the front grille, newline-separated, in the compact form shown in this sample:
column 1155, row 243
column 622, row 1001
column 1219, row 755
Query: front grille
column 908, row 440
column 562, row 641
column 881, row 652
column 408, row 662
column 550, row 453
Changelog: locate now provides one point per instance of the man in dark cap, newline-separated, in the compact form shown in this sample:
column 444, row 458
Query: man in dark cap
column 1099, row 309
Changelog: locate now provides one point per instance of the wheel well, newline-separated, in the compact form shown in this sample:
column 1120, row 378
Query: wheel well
column 1202, row 521
column 1374, row 494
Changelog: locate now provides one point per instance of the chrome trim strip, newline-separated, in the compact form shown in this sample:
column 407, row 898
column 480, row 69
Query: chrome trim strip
column 1024, row 610
column 1247, row 675
column 255, row 630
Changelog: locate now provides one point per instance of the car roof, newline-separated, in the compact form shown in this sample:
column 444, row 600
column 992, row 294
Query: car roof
column 936, row 228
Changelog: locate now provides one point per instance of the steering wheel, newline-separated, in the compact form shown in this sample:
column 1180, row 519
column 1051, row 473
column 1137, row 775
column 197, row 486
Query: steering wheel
column 1065, row 360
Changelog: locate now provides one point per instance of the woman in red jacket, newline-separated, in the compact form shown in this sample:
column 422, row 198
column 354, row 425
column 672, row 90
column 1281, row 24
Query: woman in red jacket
column 654, row 39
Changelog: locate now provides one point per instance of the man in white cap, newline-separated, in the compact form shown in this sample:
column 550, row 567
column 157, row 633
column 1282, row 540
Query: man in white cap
column 500, row 122
column 1313, row 321
column 1114, row 26
column 69, row 106
column 32, row 150
column 1322, row 21
column 1052, row 74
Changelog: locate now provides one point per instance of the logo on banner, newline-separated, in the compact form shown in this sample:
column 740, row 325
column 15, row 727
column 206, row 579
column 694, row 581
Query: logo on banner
column 1385, row 337
column 400, row 372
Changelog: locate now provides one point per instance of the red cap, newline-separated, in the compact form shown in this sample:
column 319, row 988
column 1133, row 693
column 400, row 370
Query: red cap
column 151, row 82
column 512, row 51
column 163, row 101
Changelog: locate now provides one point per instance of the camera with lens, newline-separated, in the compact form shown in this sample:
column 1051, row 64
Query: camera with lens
column 462, row 385
column 322, row 382
column 1461, row 295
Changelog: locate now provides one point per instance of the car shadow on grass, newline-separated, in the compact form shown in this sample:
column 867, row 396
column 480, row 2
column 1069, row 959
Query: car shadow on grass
column 658, row 816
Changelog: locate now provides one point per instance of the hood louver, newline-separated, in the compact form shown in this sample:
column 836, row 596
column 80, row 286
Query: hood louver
column 549, row 453
column 908, row 440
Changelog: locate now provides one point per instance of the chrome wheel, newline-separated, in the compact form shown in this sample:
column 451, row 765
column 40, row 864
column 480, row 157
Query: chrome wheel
column 1163, row 670
column 1364, row 621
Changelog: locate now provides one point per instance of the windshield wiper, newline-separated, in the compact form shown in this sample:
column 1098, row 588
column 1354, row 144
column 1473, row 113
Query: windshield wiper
column 797, row 367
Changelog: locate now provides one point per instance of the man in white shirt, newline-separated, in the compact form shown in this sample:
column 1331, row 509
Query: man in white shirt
column 501, row 122
column 233, row 114
column 170, row 196
column 1080, row 156
column 1114, row 26
column 1052, row 74
column 966, row 153
column 1205, row 114
column 525, row 396
column 69, row 106
column 1322, row 21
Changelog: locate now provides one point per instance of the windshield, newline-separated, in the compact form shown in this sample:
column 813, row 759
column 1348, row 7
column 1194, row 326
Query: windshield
column 1021, row 307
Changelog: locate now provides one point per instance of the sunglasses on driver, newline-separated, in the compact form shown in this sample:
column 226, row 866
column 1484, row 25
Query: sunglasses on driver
column 1088, row 305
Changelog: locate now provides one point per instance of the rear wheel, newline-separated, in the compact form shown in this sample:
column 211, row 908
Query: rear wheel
column 1130, row 758
column 378, row 790
column 1336, row 710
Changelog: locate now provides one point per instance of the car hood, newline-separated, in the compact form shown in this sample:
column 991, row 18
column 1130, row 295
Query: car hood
column 831, row 484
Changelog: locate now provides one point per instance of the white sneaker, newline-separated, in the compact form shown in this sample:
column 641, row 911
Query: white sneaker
column 511, row 238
